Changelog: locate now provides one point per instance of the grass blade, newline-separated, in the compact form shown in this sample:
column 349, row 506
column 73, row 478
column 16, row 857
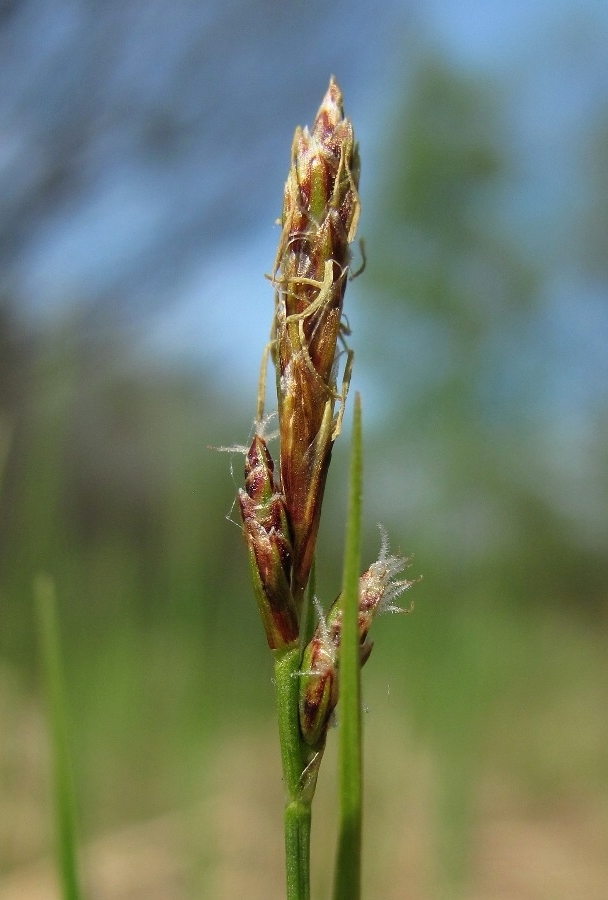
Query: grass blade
column 44, row 594
column 347, row 884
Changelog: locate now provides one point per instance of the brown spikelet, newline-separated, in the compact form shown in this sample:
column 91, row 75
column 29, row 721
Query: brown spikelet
column 266, row 533
column 319, row 684
column 320, row 215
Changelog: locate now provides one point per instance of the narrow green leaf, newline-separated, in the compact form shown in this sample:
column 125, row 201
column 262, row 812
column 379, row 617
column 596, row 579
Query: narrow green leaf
column 5, row 445
column 307, row 620
column 44, row 594
column 347, row 885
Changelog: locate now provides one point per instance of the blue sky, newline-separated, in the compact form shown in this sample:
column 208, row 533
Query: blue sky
column 163, row 238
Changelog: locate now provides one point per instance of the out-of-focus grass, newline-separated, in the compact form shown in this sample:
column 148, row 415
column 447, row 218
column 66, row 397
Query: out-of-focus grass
column 151, row 745
column 483, row 711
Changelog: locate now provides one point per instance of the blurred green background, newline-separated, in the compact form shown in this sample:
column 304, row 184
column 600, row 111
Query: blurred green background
column 142, row 158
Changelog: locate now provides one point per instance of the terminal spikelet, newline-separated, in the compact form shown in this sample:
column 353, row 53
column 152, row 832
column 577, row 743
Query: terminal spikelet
column 320, row 215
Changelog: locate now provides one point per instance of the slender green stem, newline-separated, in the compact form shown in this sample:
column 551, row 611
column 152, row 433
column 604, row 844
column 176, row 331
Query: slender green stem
column 64, row 799
column 299, row 779
column 347, row 884
column 286, row 667
column 297, row 849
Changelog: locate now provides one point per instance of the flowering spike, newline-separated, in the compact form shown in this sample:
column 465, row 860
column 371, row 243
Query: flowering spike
column 378, row 587
column 320, row 215
column 266, row 532
column 319, row 687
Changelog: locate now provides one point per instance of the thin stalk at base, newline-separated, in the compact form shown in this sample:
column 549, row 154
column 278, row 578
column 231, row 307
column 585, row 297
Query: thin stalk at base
column 297, row 849
column 300, row 766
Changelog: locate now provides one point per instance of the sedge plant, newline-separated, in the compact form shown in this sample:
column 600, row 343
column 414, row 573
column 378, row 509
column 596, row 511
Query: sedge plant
column 318, row 655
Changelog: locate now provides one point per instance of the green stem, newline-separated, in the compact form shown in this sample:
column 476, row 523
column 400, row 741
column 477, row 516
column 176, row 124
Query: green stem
column 297, row 849
column 300, row 767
